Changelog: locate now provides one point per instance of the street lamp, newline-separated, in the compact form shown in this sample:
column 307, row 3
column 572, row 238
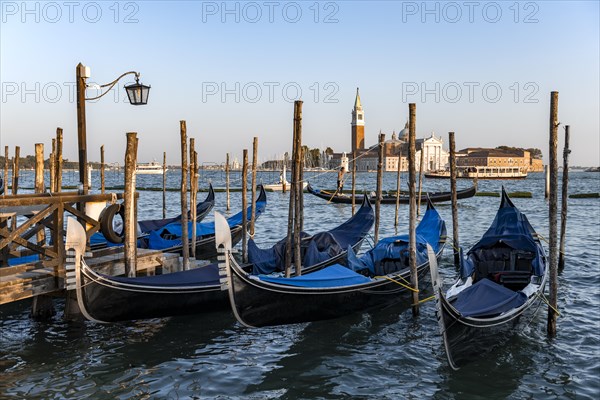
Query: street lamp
column 137, row 94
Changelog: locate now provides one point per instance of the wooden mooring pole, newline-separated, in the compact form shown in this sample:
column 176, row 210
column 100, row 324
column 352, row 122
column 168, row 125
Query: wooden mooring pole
column 564, row 200
column 379, row 186
column 42, row 306
column 227, row 180
column 412, row 222
column 5, row 170
column 420, row 179
column 455, row 242
column 253, row 197
column 39, row 181
column 185, row 248
column 129, row 224
column 193, row 195
column 546, row 181
column 164, row 186
column 245, row 206
column 297, row 185
column 553, row 167
column 15, row 181
column 398, row 175
column 353, row 181
column 58, row 164
column 52, row 167
column 102, row 170
column 15, row 171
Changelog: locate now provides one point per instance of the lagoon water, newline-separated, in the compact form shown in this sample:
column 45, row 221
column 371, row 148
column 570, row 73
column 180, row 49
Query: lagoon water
column 382, row 354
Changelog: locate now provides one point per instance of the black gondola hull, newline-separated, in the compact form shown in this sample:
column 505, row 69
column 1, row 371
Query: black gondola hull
column 106, row 300
column 435, row 197
column 467, row 339
column 260, row 304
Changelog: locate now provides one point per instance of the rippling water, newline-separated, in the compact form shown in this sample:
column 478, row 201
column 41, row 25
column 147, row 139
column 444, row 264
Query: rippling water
column 381, row 354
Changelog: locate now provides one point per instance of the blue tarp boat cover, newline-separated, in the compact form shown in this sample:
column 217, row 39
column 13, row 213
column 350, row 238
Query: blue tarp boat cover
column 487, row 298
column 320, row 247
column 429, row 231
column 155, row 224
column 156, row 240
column 511, row 228
column 203, row 276
column 332, row 276
column 23, row 260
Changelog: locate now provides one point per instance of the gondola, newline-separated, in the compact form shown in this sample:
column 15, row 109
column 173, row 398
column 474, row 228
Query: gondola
column 108, row 234
column 501, row 283
column 105, row 298
column 168, row 237
column 390, row 198
column 379, row 277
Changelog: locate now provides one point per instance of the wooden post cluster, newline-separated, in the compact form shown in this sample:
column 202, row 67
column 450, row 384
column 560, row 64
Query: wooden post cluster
column 185, row 248
column 294, row 210
column 455, row 242
column 379, row 186
column 130, row 223
column 253, row 198
column 564, row 201
column 412, row 241
column 553, row 167
column 245, row 206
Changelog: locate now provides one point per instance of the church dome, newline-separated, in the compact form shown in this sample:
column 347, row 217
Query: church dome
column 403, row 134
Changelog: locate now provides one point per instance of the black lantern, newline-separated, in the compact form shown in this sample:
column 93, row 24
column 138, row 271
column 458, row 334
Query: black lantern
column 137, row 93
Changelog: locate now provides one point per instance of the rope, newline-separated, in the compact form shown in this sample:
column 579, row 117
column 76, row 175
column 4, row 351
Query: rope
column 399, row 283
column 543, row 297
column 548, row 243
column 427, row 299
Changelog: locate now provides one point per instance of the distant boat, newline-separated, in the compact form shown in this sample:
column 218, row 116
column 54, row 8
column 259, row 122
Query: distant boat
column 481, row 173
column 278, row 186
column 592, row 169
column 152, row 168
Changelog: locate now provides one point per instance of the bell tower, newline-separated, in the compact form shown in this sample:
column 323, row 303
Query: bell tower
column 358, row 125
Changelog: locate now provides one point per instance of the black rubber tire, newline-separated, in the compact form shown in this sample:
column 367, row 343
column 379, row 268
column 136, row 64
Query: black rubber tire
column 106, row 223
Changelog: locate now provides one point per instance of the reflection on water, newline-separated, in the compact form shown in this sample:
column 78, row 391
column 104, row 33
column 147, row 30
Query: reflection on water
column 378, row 354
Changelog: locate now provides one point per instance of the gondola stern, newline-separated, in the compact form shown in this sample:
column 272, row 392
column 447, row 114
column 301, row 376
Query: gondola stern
column 227, row 263
column 438, row 291
column 75, row 245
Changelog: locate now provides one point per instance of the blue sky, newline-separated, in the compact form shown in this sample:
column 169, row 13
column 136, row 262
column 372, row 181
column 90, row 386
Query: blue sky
column 482, row 69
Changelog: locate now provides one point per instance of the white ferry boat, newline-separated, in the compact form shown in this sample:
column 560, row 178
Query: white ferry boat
column 481, row 173
column 152, row 168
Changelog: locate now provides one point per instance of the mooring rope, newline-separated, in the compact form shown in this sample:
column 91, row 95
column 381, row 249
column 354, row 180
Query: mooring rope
column 545, row 300
column 399, row 283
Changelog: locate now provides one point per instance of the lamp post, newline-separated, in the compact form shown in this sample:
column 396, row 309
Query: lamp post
column 137, row 94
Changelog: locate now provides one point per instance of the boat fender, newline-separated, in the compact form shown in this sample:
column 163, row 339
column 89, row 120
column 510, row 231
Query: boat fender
column 106, row 222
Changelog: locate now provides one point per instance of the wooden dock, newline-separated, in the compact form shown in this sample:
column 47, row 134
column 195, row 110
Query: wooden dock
column 25, row 281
